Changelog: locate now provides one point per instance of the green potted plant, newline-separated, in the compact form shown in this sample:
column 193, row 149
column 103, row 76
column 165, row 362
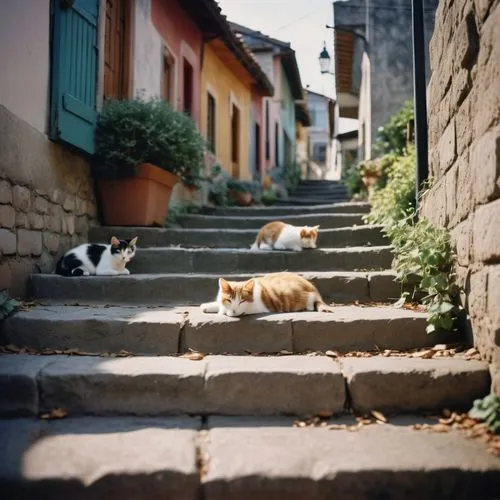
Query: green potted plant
column 143, row 148
column 239, row 193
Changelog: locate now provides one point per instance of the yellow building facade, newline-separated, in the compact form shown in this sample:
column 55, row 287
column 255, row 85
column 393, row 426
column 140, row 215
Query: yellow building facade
column 226, row 100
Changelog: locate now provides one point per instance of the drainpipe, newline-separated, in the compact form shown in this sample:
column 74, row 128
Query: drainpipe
column 419, row 92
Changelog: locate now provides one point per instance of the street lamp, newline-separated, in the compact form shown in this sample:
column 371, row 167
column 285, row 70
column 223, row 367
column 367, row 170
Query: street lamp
column 325, row 61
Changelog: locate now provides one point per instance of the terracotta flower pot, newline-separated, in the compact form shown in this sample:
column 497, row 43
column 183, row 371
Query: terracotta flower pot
column 137, row 201
column 242, row 199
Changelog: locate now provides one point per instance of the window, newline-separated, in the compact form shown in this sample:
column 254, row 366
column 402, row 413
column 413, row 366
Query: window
column 188, row 88
column 319, row 153
column 277, row 144
column 116, row 50
column 235, row 140
column 257, row 148
column 211, row 121
column 73, row 102
column 268, row 145
column 168, row 76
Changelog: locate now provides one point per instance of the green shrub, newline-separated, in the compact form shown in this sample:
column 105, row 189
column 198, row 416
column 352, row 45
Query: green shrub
column 8, row 306
column 352, row 180
column 424, row 251
column 269, row 197
column 391, row 138
column 397, row 197
column 487, row 410
column 147, row 131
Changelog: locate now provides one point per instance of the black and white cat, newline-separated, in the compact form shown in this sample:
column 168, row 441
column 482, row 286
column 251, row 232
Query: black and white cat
column 93, row 258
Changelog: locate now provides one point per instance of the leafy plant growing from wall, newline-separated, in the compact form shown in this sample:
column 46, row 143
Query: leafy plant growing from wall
column 487, row 410
column 423, row 254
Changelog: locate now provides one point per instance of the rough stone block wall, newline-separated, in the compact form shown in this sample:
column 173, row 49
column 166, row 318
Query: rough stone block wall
column 47, row 202
column 464, row 157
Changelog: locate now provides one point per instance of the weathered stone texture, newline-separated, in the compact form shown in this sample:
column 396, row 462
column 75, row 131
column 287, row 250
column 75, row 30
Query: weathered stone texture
column 35, row 198
column 464, row 140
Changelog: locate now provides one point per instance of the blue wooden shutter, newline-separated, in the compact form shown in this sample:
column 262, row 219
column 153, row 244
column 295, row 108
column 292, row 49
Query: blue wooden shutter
column 74, row 73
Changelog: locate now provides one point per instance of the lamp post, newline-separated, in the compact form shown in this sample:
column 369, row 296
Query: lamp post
column 325, row 61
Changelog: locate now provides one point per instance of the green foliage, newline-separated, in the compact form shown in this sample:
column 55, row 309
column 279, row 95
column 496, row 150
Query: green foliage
column 291, row 176
column 424, row 252
column 487, row 410
column 352, row 180
column 147, row 131
column 8, row 306
column 269, row 197
column 222, row 187
column 391, row 138
column 181, row 208
column 218, row 193
column 396, row 197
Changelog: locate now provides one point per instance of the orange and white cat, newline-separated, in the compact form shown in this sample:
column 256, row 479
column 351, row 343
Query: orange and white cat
column 275, row 292
column 280, row 236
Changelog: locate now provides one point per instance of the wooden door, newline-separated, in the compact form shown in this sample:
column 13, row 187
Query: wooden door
column 116, row 49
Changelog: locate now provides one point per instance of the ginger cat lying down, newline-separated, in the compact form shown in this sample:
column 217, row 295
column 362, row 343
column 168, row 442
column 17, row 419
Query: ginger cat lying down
column 275, row 292
column 280, row 236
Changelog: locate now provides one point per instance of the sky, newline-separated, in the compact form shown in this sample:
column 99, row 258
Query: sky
column 300, row 22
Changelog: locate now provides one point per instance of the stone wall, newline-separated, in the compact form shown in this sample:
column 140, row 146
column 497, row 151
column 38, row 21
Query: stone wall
column 47, row 202
column 464, row 157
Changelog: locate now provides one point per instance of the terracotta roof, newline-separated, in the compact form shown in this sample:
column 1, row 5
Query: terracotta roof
column 213, row 24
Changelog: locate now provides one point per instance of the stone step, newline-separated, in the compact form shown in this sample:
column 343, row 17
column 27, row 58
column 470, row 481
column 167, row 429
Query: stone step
column 162, row 385
column 172, row 330
column 308, row 201
column 154, row 289
column 100, row 458
column 252, row 459
column 326, row 221
column 232, row 238
column 232, row 260
column 352, row 207
column 236, row 385
column 319, row 190
column 234, row 458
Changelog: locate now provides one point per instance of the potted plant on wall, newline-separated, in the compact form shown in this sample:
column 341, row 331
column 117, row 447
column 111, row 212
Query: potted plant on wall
column 143, row 148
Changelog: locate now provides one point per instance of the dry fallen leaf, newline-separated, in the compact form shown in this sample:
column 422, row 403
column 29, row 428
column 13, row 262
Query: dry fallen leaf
column 429, row 353
column 55, row 413
column 193, row 356
column 325, row 414
column 285, row 352
column 379, row 416
column 332, row 354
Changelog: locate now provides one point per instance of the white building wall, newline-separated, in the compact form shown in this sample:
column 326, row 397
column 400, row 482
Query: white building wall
column 147, row 52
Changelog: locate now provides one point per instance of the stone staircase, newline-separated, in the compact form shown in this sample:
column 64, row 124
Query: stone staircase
column 320, row 192
column 162, row 424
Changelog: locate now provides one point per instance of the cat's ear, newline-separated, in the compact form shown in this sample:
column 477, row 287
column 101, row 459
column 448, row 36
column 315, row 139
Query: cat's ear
column 303, row 232
column 224, row 286
column 249, row 285
column 133, row 241
column 315, row 228
column 115, row 242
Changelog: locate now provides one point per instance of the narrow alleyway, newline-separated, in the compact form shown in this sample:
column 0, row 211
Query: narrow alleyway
column 220, row 424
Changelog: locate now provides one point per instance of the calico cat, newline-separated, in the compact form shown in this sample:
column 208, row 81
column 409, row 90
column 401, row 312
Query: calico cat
column 92, row 258
column 275, row 292
column 280, row 236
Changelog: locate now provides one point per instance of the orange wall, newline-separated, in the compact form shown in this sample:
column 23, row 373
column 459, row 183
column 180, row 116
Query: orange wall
column 226, row 87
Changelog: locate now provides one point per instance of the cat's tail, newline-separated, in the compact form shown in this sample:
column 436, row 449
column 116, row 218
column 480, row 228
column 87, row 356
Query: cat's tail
column 60, row 269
